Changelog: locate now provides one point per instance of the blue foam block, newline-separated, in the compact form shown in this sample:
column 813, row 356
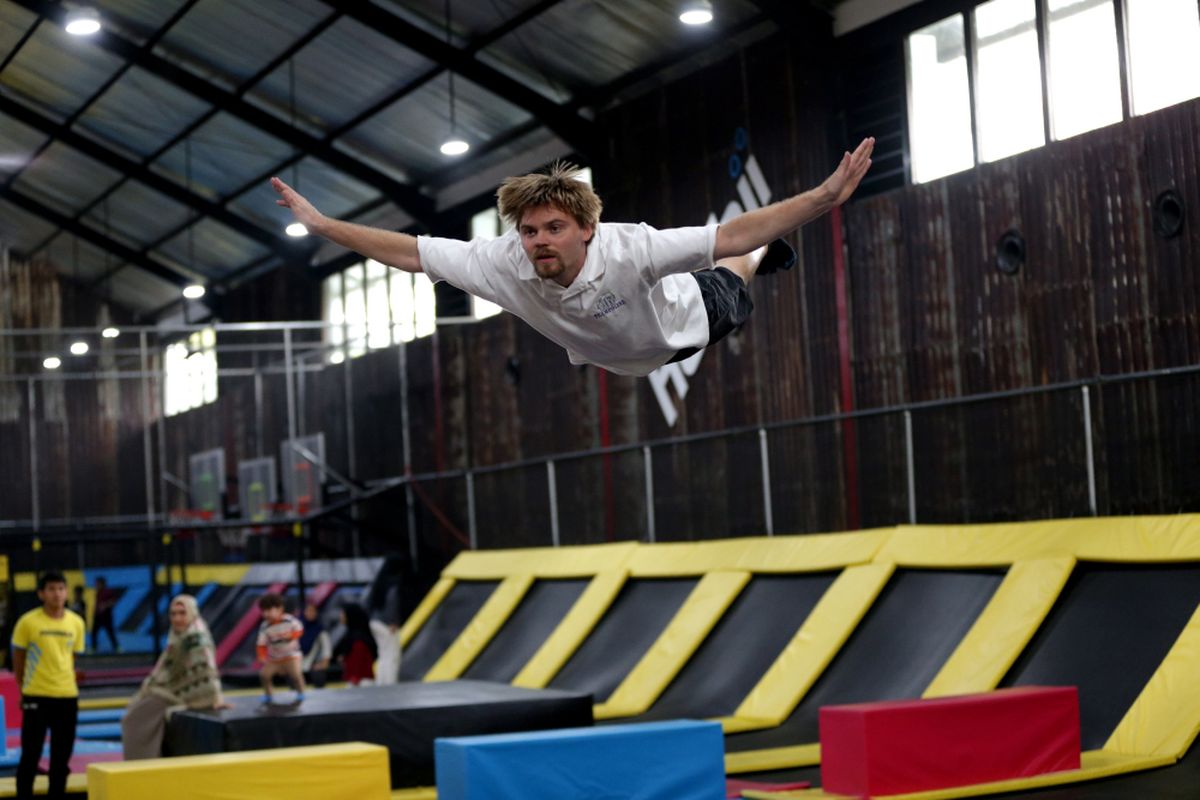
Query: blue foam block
column 679, row 760
column 101, row 715
column 99, row 730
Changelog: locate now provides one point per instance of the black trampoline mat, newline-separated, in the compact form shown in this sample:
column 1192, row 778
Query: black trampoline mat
column 1108, row 632
column 527, row 628
column 741, row 647
column 894, row 653
column 633, row 622
column 447, row 621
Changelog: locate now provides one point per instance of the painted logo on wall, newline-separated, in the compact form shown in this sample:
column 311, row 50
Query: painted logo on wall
column 752, row 192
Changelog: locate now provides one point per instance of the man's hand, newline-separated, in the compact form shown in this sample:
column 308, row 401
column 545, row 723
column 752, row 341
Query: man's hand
column 845, row 179
column 301, row 209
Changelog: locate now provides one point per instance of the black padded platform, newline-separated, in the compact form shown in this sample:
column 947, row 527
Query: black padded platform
column 404, row 717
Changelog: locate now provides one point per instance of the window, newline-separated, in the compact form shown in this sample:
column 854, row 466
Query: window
column 1085, row 75
column 1164, row 52
column 371, row 305
column 1008, row 102
column 1000, row 70
column 939, row 102
column 191, row 372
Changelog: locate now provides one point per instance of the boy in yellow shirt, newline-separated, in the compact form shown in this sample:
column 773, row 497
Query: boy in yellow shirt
column 44, row 644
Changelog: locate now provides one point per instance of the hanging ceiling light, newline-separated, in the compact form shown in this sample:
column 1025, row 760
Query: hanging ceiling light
column 193, row 292
column 296, row 229
column 454, row 145
column 696, row 12
column 82, row 21
column 79, row 348
column 53, row 362
column 110, row 333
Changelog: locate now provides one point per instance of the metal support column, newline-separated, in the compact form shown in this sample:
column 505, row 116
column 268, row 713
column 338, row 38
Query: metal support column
column 406, row 454
column 768, row 517
column 648, row 468
column 552, row 487
column 147, row 441
column 911, row 468
column 1087, row 443
column 35, row 503
column 298, row 534
column 472, row 532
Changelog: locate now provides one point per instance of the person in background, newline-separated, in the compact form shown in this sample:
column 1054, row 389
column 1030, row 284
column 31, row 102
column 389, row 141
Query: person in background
column 279, row 646
column 45, row 642
column 185, row 676
column 356, row 650
column 79, row 604
column 315, row 646
column 102, row 615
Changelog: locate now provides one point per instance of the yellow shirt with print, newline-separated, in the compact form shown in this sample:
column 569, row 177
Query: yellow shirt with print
column 49, row 645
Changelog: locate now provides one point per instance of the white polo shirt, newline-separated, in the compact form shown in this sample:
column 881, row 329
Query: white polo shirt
column 630, row 310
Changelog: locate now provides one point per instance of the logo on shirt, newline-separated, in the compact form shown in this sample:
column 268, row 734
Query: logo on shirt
column 607, row 304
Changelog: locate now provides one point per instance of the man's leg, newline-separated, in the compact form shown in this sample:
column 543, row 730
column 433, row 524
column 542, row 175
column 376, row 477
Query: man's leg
column 33, row 736
column 778, row 255
column 62, row 742
column 112, row 632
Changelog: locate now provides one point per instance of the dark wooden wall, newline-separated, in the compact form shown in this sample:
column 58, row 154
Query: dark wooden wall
column 929, row 318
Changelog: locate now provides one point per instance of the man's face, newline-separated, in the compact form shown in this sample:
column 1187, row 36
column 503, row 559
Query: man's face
column 555, row 243
column 53, row 596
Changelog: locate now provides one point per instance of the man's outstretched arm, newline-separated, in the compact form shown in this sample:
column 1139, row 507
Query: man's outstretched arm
column 756, row 228
column 389, row 247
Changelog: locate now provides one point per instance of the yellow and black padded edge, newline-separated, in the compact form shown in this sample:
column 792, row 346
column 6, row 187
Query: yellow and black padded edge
column 767, row 554
column 480, row 629
column 1165, row 717
column 806, row 656
column 415, row 793
column 1004, row 627
column 574, row 628
column 700, row 612
column 1149, row 539
column 1095, row 764
column 801, row 755
column 577, row 561
column 432, row 599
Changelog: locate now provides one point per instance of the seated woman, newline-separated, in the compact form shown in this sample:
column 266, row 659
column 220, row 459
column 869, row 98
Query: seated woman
column 356, row 650
column 314, row 644
column 185, row 676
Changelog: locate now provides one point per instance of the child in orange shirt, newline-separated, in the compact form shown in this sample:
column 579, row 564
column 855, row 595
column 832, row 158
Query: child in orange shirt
column 279, row 646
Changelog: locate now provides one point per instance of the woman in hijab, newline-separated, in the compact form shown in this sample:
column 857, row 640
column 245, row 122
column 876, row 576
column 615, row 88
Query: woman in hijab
column 185, row 676
column 356, row 649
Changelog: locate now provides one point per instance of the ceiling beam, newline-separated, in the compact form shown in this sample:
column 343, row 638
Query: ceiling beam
column 126, row 254
column 572, row 128
column 143, row 174
column 417, row 205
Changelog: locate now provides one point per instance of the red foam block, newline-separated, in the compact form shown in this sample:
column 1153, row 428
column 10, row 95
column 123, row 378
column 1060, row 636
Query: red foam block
column 917, row 745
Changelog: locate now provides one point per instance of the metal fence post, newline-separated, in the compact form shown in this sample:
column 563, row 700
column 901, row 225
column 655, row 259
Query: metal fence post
column 766, row 481
column 471, row 530
column 35, row 505
column 648, row 467
column 552, row 487
column 1087, row 443
column 912, row 470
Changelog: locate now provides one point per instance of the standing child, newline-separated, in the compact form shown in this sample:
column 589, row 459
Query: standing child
column 44, row 644
column 279, row 646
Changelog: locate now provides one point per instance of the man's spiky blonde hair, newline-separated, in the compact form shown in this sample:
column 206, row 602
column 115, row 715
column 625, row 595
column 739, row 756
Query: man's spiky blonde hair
column 561, row 188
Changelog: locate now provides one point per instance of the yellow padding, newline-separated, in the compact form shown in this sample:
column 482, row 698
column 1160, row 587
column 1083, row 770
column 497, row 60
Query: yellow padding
column 417, row 793
column 1003, row 628
column 809, row 553
column 803, row 755
column 425, row 609
column 708, row 600
column 1121, row 539
column 1094, row 764
column 541, row 562
column 318, row 772
column 27, row 581
column 576, row 626
column 480, row 629
column 805, row 657
column 76, row 783
column 200, row 574
column 1165, row 718
column 3, row 569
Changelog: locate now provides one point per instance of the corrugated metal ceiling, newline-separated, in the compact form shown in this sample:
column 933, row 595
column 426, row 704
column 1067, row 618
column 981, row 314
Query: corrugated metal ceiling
column 137, row 159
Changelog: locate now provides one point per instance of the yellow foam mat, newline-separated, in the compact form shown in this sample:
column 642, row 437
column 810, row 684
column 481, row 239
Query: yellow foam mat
column 480, row 630
column 806, row 656
column 1003, row 628
column 766, row 554
column 318, row 772
column 576, row 626
column 1094, row 764
column 801, row 755
column 75, row 783
column 704, row 606
column 416, row 793
column 542, row 562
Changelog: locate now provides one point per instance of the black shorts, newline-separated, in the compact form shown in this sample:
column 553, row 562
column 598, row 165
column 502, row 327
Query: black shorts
column 727, row 303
